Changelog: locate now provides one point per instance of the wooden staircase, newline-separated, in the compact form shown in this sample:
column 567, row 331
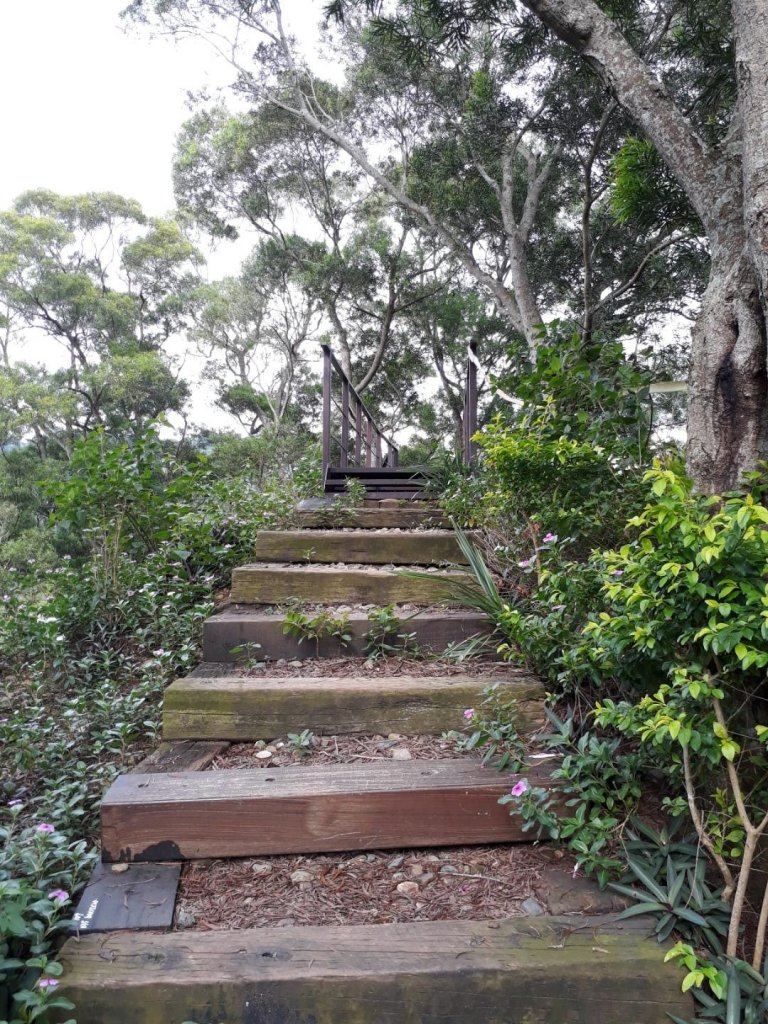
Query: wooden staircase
column 448, row 972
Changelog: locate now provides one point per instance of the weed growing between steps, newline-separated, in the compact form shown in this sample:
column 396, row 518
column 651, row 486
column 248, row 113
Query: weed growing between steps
column 86, row 648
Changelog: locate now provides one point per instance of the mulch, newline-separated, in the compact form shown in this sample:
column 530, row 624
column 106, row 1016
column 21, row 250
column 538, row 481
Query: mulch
column 336, row 750
column 462, row 883
column 385, row 666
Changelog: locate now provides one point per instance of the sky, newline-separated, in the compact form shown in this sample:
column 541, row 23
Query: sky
column 88, row 103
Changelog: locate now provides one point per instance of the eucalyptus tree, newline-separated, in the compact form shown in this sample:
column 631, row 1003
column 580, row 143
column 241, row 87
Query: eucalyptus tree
column 108, row 287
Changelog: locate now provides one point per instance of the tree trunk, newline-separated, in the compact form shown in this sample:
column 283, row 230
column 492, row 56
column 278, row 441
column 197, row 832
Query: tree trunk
column 727, row 423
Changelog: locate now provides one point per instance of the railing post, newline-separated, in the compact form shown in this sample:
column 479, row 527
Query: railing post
column 368, row 442
column 344, row 457
column 358, row 431
column 326, row 408
column 469, row 420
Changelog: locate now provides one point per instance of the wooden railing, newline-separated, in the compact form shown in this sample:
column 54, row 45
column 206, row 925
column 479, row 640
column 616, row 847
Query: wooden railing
column 358, row 443
column 469, row 418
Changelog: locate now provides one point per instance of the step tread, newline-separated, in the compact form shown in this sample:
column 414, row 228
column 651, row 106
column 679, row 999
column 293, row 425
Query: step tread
column 446, row 972
column 308, row 809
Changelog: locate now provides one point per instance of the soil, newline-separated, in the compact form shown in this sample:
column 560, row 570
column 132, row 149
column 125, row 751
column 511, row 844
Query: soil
column 317, row 668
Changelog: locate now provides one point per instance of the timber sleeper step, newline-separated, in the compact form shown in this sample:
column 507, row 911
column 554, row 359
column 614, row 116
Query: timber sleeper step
column 235, row 628
column 248, row 708
column 275, row 584
column 589, row 970
column 415, row 547
column 308, row 809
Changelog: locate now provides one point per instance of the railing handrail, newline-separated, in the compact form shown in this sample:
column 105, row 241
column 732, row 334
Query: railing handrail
column 373, row 435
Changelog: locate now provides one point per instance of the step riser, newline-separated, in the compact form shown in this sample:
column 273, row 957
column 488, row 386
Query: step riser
column 370, row 549
column 223, row 632
column 251, row 709
column 447, row 972
column 331, row 808
column 262, row 585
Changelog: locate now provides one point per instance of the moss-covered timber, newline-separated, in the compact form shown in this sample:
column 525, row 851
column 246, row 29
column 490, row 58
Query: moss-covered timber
column 521, row 971
column 417, row 547
column 249, row 708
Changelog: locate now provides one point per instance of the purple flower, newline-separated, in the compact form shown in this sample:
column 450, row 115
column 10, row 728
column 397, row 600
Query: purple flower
column 15, row 803
column 525, row 563
column 58, row 895
column 45, row 828
column 469, row 713
column 549, row 538
column 47, row 983
column 520, row 787
column 558, row 607
column 617, row 572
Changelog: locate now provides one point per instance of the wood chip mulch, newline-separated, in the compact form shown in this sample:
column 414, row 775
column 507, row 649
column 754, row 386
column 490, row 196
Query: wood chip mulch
column 463, row 883
column 385, row 666
column 336, row 750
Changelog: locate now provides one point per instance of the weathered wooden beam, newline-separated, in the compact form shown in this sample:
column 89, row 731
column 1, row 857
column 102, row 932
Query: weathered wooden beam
column 371, row 518
column 236, row 708
column 520, row 971
column 187, row 754
column 419, row 547
column 234, row 627
column 308, row 809
column 268, row 584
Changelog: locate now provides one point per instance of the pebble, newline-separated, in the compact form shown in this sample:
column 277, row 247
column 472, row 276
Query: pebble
column 264, row 755
column 186, row 920
column 118, row 869
column 401, row 754
column 286, row 922
column 532, row 907
column 299, row 877
column 396, row 862
column 415, row 869
column 426, row 877
column 408, row 888
column 261, row 867
column 296, row 664
column 448, row 869
column 394, row 736
column 280, row 661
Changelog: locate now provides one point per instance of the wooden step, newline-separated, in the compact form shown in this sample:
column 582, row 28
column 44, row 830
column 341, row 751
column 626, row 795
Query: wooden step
column 308, row 809
column 248, row 708
column 540, row 970
column 323, row 516
column 416, row 547
column 382, row 493
column 235, row 627
column 366, row 473
column 272, row 584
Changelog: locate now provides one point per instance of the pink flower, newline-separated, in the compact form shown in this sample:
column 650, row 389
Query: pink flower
column 549, row 538
column 469, row 713
column 525, row 563
column 58, row 895
column 13, row 804
column 47, row 983
column 45, row 828
column 520, row 787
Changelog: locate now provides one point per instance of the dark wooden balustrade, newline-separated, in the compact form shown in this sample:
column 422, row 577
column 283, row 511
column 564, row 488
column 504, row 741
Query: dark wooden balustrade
column 351, row 438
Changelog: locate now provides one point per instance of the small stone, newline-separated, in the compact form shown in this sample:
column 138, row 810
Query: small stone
column 280, row 661
column 297, row 877
column 428, row 876
column 259, row 666
column 448, row 869
column 286, row 922
column 401, row 754
column 264, row 755
column 295, row 664
column 394, row 736
column 396, row 862
column 398, row 876
column 415, row 869
column 184, row 919
column 532, row 907
column 261, row 867
column 371, row 858
column 407, row 888
column 118, row 869
column 431, row 858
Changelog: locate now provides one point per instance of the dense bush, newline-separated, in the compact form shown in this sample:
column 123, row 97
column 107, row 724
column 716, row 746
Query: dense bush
column 87, row 646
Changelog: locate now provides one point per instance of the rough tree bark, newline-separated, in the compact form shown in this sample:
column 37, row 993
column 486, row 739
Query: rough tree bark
column 728, row 188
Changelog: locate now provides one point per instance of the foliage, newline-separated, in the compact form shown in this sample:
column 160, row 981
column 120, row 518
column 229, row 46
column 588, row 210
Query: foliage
column 384, row 637
column 323, row 625
column 494, row 730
